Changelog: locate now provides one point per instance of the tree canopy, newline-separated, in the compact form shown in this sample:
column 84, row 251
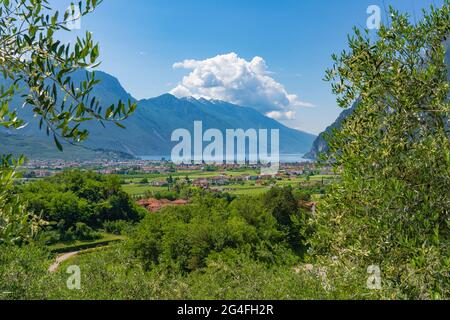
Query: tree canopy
column 392, row 206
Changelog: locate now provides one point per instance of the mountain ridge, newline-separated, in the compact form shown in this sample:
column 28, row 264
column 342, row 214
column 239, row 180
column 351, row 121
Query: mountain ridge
column 148, row 130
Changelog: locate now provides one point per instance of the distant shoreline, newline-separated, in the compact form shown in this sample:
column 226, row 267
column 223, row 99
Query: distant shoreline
column 284, row 158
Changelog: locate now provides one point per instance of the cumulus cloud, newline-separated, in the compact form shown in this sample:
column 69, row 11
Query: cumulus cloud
column 233, row 79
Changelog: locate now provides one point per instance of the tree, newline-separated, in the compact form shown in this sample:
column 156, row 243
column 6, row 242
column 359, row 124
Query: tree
column 37, row 68
column 392, row 205
column 170, row 182
column 76, row 196
column 282, row 205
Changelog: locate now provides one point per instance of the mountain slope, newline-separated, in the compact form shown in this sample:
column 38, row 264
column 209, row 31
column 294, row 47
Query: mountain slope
column 320, row 145
column 41, row 148
column 149, row 129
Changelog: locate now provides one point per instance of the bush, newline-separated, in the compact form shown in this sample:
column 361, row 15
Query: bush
column 182, row 238
column 83, row 232
column 117, row 227
column 24, row 273
column 79, row 197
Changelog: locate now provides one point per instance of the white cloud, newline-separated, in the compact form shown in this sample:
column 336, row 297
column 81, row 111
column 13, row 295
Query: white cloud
column 277, row 115
column 233, row 79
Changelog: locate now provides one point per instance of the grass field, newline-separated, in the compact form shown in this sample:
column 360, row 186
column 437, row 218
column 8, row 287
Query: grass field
column 137, row 189
column 245, row 188
column 133, row 186
column 183, row 173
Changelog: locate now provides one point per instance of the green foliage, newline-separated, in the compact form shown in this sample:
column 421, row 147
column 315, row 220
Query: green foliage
column 83, row 232
column 23, row 272
column 76, row 202
column 305, row 194
column 115, row 274
column 282, row 204
column 392, row 206
column 169, row 195
column 39, row 67
column 16, row 224
column 182, row 238
column 118, row 227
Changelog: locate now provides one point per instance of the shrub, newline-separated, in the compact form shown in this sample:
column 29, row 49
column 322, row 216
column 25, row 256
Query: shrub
column 182, row 238
column 79, row 197
column 23, row 273
column 83, row 232
column 117, row 227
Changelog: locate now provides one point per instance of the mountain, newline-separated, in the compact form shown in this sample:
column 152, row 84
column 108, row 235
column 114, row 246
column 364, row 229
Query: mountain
column 148, row 131
column 41, row 148
column 156, row 119
column 320, row 145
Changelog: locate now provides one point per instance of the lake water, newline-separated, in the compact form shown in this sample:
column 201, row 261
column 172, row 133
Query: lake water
column 284, row 158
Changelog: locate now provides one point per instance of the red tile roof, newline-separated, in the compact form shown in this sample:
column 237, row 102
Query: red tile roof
column 154, row 205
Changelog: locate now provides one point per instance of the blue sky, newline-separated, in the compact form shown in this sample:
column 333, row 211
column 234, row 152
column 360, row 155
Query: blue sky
column 142, row 39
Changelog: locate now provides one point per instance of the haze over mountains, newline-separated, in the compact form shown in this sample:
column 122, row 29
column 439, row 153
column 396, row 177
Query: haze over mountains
column 149, row 129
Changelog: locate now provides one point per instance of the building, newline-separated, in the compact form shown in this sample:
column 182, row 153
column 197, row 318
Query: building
column 155, row 205
column 158, row 183
column 219, row 181
column 202, row 183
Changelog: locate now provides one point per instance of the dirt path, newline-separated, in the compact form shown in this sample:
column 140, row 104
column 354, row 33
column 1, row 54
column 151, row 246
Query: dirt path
column 60, row 259
column 66, row 256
